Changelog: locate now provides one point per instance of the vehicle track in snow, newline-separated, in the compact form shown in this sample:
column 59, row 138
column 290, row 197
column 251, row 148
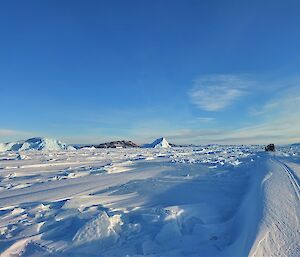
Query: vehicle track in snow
column 278, row 227
column 294, row 180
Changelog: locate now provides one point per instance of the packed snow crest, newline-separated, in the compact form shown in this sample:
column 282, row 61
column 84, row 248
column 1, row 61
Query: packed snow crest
column 36, row 143
column 158, row 143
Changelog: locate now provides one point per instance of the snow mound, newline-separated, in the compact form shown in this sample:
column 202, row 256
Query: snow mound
column 36, row 143
column 102, row 230
column 158, row 143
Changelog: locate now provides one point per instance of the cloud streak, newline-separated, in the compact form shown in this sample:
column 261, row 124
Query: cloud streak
column 216, row 92
column 11, row 134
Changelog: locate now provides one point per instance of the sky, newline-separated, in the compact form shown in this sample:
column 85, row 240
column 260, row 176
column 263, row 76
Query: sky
column 192, row 71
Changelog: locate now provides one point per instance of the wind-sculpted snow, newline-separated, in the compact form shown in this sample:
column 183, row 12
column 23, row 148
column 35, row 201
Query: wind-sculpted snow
column 215, row 156
column 200, row 201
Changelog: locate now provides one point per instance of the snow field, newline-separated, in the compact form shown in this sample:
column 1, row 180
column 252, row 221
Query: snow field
column 203, row 201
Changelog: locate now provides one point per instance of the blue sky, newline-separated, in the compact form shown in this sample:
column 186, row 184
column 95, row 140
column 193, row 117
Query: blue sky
column 192, row 71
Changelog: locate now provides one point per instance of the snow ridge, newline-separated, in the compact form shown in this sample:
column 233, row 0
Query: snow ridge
column 158, row 143
column 36, row 143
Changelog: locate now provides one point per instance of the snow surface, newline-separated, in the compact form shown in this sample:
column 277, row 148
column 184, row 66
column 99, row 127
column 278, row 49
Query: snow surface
column 204, row 201
column 37, row 143
column 158, row 143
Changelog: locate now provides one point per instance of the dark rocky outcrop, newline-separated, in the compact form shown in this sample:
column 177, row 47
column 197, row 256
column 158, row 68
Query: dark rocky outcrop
column 117, row 144
column 112, row 144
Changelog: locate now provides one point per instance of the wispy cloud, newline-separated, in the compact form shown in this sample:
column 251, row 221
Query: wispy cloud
column 201, row 120
column 262, row 110
column 205, row 119
column 278, row 123
column 216, row 92
column 287, row 101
